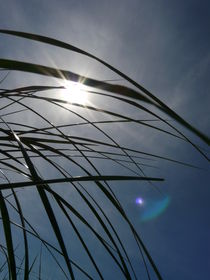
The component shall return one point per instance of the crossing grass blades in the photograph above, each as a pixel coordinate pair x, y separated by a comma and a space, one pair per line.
58, 162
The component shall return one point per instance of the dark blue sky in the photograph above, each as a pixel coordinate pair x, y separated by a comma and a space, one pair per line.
165, 46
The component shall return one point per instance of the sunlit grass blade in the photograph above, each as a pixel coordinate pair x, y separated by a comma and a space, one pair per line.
64, 45
68, 75
66, 152
182, 136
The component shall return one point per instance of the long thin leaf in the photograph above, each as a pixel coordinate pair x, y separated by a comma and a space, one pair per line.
8, 237
61, 44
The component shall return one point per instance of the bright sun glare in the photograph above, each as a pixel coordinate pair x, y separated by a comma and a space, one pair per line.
75, 93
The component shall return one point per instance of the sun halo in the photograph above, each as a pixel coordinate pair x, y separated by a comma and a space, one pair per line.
75, 92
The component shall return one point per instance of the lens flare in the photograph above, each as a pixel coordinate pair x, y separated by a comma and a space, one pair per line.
139, 201
151, 208
154, 208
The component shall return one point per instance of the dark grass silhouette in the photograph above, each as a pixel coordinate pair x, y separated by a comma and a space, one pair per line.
38, 152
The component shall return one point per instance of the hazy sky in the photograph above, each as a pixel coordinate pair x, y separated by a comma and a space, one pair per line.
165, 46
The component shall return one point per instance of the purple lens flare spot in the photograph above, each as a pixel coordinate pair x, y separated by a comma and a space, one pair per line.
139, 201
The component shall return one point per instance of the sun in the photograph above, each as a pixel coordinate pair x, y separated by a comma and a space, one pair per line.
75, 92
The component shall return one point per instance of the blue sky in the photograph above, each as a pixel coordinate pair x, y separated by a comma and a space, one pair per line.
163, 45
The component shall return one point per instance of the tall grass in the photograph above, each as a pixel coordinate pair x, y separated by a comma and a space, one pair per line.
69, 155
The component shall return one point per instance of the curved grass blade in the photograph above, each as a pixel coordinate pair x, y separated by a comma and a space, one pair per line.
91, 178
63, 171
46, 205
68, 75
47, 245
8, 237
64, 45
19, 210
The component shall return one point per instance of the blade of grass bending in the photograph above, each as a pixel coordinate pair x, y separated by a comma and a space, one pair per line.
3, 265
93, 157
64, 155
120, 210
83, 220
19, 210
54, 101
68, 217
44, 140
136, 236
19, 268
44, 130
68, 75
91, 178
123, 214
125, 119
4, 78
128, 119
8, 237
55, 227
107, 136
108, 112
54, 248
63, 172
84, 150
132, 120
35, 141
110, 138
64, 45
80, 238
125, 271
118, 161
17, 170
40, 262
166, 131
32, 264
65, 137
80, 217
47, 206
6, 257
7, 261
46, 244
12, 113
132, 150
115, 142
26, 270
8, 156
26, 273
131, 102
